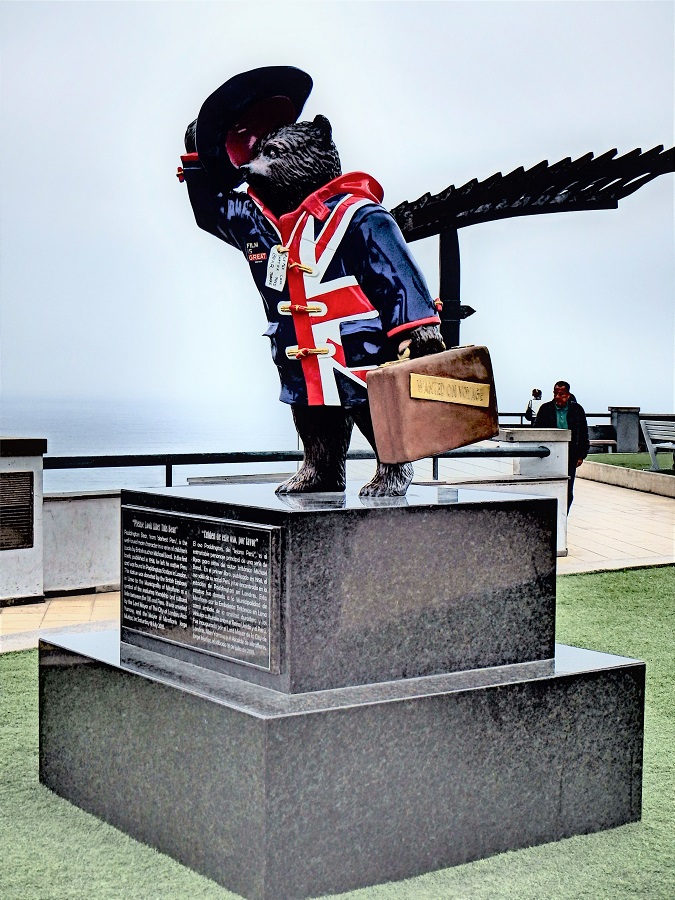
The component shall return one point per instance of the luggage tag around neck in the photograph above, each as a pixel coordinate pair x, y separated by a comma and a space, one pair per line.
277, 265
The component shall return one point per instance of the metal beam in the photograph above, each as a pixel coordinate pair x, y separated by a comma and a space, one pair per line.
584, 184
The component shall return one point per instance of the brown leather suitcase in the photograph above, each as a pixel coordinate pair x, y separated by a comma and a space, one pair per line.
425, 406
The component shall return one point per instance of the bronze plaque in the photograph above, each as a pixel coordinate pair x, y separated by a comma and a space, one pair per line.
449, 390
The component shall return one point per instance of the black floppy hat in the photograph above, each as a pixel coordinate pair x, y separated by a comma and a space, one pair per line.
244, 109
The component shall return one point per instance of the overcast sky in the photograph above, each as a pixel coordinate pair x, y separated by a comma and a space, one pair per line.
110, 290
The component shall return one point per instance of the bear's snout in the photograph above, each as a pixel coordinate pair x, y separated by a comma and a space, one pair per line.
245, 169
256, 167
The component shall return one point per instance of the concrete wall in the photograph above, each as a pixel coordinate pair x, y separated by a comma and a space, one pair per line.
21, 570
635, 479
81, 541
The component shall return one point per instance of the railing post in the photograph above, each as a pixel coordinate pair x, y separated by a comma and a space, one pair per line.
169, 475
434, 468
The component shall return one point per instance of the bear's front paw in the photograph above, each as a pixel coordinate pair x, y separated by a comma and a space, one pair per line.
425, 340
390, 480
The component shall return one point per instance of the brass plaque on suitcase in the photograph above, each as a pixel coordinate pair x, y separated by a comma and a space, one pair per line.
449, 390
430, 405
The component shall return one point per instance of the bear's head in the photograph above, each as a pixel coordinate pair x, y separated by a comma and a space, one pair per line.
292, 162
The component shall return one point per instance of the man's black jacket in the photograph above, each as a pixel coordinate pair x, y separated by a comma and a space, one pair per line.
576, 422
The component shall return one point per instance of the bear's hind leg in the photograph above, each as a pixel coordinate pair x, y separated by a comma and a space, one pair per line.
390, 479
325, 432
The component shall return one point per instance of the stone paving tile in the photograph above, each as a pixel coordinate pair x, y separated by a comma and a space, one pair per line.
582, 553
10, 624
636, 543
627, 551
25, 611
60, 610
101, 614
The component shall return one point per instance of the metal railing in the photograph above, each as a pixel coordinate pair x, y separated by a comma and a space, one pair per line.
169, 460
523, 421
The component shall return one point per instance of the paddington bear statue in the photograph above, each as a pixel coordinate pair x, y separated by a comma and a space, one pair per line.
340, 288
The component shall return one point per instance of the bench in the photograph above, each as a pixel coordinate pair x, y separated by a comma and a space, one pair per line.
658, 436
602, 436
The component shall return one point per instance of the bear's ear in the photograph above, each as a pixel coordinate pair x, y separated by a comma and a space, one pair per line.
323, 126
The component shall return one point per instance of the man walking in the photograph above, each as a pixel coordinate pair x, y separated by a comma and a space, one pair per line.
563, 412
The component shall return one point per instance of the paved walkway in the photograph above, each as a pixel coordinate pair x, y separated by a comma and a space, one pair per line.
615, 528
608, 528
21, 626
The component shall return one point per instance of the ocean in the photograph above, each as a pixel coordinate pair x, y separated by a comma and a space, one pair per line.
79, 428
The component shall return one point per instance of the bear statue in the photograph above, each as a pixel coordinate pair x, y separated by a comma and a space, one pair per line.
340, 288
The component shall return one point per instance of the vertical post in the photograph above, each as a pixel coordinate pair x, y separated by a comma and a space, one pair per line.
169, 475
626, 421
434, 468
448, 292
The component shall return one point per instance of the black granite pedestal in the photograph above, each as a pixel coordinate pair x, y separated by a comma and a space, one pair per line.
280, 796
340, 590
316, 694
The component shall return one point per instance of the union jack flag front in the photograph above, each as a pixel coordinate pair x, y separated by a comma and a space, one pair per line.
339, 285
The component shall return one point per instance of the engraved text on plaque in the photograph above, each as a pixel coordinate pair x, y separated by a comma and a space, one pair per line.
201, 582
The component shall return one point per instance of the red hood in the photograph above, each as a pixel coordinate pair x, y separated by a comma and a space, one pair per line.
358, 183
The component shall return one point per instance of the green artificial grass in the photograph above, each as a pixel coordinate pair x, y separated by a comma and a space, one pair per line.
634, 460
54, 851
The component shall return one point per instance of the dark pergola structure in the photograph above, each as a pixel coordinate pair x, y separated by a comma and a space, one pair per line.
590, 182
